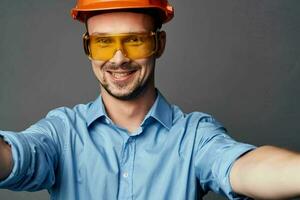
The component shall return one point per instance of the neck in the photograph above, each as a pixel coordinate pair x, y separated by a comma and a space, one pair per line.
129, 114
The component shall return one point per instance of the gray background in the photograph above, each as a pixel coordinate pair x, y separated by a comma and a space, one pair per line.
238, 60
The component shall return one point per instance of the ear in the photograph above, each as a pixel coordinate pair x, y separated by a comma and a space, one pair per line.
161, 43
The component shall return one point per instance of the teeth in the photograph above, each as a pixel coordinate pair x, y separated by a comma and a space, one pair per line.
120, 74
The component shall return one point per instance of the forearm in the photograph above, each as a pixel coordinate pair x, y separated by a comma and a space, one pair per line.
267, 173
6, 162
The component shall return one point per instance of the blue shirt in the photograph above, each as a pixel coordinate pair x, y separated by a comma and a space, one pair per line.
80, 154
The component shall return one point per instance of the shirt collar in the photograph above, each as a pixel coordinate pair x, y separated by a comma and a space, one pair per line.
95, 111
160, 111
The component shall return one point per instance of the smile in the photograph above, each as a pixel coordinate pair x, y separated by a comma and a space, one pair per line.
121, 75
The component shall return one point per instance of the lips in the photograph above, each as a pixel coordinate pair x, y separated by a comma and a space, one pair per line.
121, 75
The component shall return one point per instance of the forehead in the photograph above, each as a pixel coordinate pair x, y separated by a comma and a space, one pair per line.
120, 22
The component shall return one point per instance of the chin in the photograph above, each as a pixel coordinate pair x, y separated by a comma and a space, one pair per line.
125, 95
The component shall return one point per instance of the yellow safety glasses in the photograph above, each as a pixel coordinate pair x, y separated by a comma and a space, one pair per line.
132, 45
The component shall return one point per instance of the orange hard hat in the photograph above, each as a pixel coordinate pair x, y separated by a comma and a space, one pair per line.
84, 7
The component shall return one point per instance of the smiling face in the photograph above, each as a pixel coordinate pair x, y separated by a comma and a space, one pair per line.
121, 77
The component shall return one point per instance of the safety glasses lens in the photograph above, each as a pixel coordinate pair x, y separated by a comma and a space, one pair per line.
133, 45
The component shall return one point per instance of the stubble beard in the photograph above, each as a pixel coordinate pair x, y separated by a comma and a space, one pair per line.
138, 89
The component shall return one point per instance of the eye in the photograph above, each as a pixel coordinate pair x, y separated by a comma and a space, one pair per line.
134, 40
103, 40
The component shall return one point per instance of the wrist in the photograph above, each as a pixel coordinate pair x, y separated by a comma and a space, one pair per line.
6, 163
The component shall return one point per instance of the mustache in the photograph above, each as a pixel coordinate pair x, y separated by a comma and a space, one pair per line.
127, 66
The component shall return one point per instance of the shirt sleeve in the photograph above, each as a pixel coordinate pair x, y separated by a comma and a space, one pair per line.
215, 155
35, 153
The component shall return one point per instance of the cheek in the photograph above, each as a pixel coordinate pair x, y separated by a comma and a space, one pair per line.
147, 65
97, 66
149, 68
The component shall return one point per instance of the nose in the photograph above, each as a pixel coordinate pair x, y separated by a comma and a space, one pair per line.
119, 58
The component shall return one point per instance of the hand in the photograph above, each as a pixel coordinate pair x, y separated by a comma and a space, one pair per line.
6, 162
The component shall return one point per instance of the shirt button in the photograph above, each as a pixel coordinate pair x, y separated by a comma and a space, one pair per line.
125, 174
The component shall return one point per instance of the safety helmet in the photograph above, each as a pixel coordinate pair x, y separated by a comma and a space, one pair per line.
83, 8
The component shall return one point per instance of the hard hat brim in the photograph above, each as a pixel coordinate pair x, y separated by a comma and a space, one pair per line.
80, 13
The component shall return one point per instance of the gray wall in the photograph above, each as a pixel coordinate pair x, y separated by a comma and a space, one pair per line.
238, 60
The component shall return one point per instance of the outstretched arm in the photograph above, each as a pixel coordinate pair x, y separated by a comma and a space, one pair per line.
267, 173
30, 159
6, 162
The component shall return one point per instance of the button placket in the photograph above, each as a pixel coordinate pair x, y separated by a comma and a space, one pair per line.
127, 169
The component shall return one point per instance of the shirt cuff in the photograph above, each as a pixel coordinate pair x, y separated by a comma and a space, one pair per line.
20, 152
228, 160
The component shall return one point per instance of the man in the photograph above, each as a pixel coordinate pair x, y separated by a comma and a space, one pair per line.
131, 143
